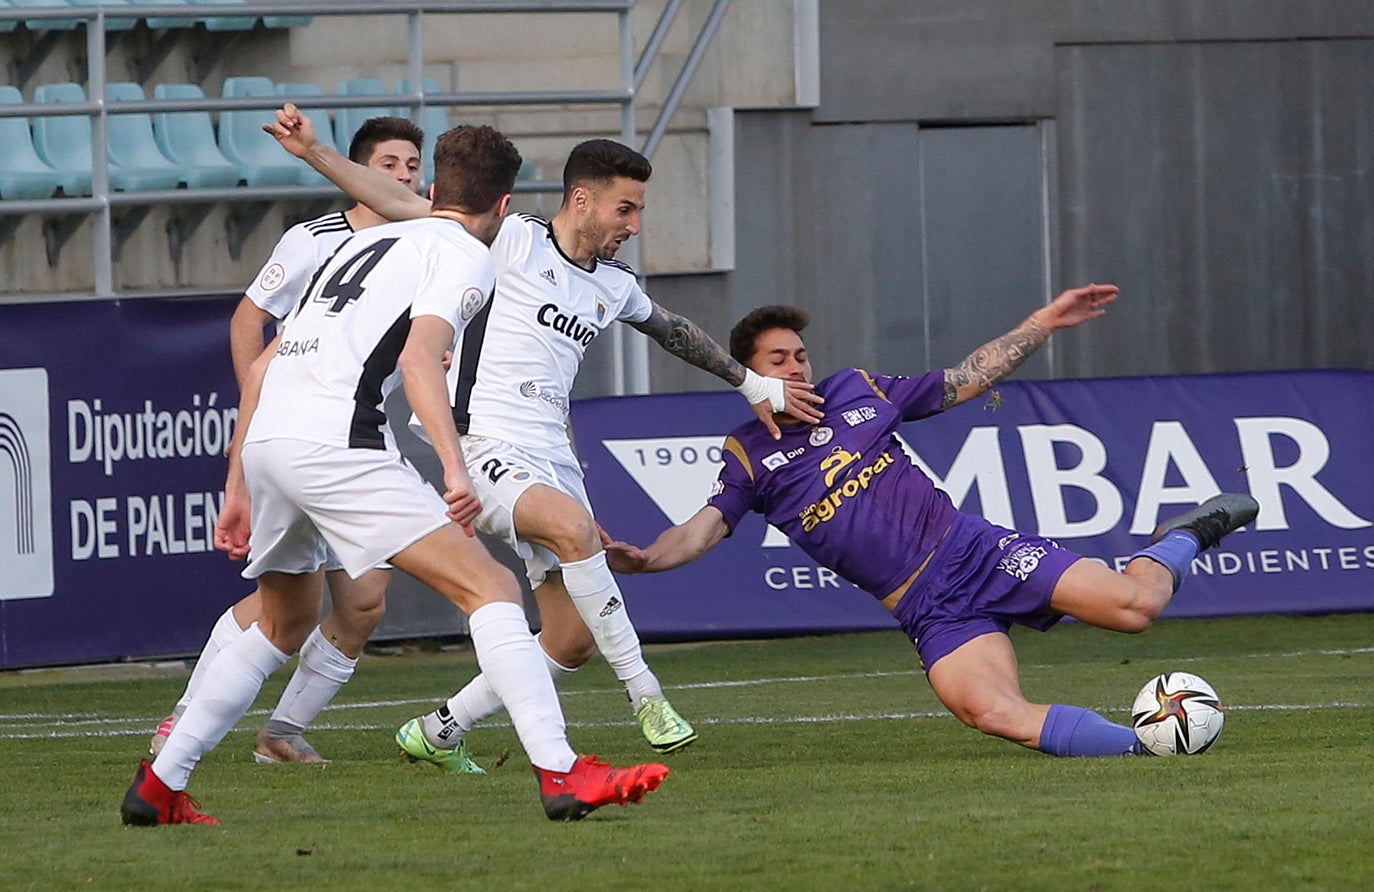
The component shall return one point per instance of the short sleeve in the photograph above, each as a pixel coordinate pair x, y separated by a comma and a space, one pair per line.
637, 304
917, 398
454, 286
282, 281
733, 495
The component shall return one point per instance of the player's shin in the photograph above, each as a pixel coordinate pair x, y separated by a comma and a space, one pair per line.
228, 690
512, 663
225, 632
598, 600
475, 702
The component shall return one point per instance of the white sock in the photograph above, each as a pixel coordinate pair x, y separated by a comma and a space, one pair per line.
476, 701
225, 632
225, 695
323, 669
598, 601
511, 661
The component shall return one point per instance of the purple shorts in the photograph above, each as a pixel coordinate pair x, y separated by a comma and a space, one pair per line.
982, 578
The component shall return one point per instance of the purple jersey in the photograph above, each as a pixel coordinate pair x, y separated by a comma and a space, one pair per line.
844, 491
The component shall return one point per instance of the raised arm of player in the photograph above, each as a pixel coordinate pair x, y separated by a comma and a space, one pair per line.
232, 527
674, 547
422, 376
374, 188
682, 337
1000, 357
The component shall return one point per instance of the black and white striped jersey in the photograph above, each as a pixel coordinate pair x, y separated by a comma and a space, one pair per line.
300, 251
337, 359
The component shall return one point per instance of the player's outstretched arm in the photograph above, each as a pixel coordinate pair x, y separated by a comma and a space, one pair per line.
998, 358
388, 197
676, 546
422, 376
232, 527
684, 339
245, 337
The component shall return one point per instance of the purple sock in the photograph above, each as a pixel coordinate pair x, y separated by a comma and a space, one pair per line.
1075, 731
1175, 552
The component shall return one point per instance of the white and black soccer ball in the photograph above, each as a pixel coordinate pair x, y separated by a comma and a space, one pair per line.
1177, 713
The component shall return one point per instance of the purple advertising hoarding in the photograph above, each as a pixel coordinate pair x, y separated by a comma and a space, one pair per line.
114, 416
1093, 464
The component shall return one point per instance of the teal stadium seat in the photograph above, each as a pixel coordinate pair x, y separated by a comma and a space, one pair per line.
64, 141
301, 94
7, 25
111, 24
188, 139
261, 162
46, 24
22, 173
156, 22
348, 120
433, 120
226, 23
136, 163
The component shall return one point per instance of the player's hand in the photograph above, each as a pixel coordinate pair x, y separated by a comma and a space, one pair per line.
463, 506
293, 129
801, 403
1078, 305
234, 526
622, 557
448, 359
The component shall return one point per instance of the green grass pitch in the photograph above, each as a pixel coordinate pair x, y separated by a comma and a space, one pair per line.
823, 763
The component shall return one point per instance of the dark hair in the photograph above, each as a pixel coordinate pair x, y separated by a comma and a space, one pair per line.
379, 130
473, 168
600, 161
747, 330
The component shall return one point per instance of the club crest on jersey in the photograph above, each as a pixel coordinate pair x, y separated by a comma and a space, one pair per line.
569, 326
601, 309
471, 303
820, 436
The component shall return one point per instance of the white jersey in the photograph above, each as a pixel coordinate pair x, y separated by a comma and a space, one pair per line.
514, 366
301, 250
337, 360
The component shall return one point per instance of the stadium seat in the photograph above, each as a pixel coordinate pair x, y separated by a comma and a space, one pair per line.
155, 22
433, 120
46, 24
188, 138
7, 25
136, 162
22, 173
261, 162
287, 21
301, 94
111, 24
226, 23
348, 120
64, 141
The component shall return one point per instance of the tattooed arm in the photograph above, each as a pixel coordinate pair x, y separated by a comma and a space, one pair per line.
998, 358
682, 337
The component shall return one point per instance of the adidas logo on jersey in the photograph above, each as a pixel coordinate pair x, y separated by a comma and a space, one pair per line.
549, 276
611, 606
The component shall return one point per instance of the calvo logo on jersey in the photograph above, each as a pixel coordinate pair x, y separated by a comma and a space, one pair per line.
569, 326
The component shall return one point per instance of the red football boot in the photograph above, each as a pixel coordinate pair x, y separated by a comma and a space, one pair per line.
150, 802
591, 783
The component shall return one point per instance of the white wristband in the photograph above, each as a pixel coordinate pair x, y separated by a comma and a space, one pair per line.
757, 388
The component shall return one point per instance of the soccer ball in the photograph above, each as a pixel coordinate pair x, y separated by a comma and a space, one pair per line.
1177, 714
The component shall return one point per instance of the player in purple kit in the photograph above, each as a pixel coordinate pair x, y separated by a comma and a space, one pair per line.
846, 495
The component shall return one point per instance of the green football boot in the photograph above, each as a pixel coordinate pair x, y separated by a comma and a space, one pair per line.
666, 731
410, 737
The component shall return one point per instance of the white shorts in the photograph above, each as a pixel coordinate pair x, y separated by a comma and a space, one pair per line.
364, 504
501, 472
